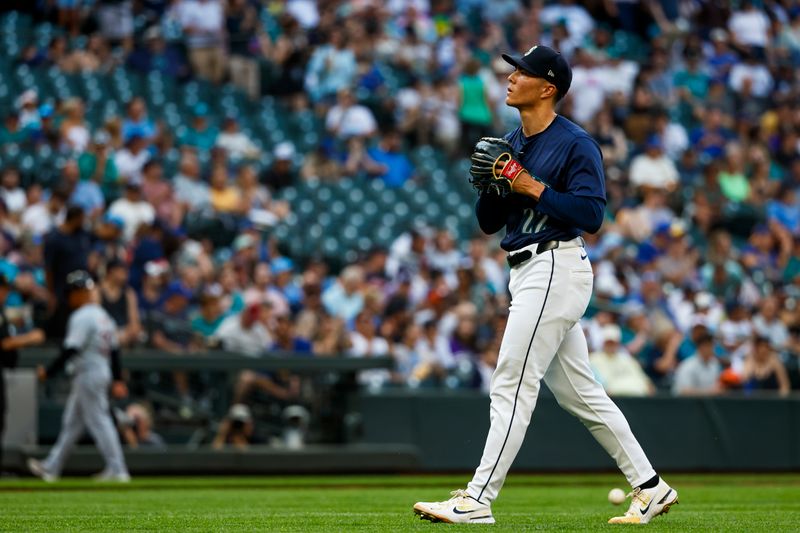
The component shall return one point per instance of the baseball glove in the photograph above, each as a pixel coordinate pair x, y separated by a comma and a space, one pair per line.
487, 169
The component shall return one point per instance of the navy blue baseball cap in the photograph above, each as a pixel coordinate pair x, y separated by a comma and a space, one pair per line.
544, 62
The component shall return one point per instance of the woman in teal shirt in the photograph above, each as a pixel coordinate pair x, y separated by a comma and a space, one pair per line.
474, 110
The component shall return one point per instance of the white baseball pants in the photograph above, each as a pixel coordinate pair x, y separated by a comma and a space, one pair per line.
87, 407
543, 340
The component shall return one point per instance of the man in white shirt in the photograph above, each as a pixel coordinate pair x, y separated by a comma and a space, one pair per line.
587, 91
364, 342
749, 26
12, 194
203, 23
131, 159
349, 119
618, 372
653, 168
699, 374
133, 209
40, 217
245, 333
751, 78
579, 21
235, 142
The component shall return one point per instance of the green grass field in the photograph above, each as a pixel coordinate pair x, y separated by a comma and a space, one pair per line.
762, 502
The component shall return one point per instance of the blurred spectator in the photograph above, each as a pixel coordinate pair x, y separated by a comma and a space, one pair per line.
331, 68
85, 194
200, 134
699, 374
137, 122
203, 24
320, 166
750, 78
348, 118
130, 160
137, 424
168, 326
767, 324
115, 18
749, 27
10, 130
282, 172
236, 429
224, 196
653, 168
133, 209
263, 290
66, 249
241, 21
475, 108
785, 209
611, 138
345, 299
107, 243
235, 142
618, 372
98, 164
763, 370
257, 201
156, 55
397, 168
169, 330
120, 301
245, 333
74, 132
285, 339
29, 117
190, 190
332, 338
366, 342
158, 192
41, 215
210, 316
11, 193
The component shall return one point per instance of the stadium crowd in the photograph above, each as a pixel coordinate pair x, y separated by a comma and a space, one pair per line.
695, 105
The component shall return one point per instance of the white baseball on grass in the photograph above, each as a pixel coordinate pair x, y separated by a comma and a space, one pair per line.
616, 496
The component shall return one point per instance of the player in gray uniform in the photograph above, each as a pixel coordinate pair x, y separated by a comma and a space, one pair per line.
92, 350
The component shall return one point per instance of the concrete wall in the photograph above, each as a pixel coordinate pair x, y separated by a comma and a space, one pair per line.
706, 434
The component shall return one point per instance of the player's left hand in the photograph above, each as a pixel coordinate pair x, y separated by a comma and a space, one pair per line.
119, 390
495, 166
41, 374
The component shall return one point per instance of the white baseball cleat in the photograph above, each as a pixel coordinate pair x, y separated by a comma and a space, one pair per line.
38, 470
460, 509
107, 475
647, 504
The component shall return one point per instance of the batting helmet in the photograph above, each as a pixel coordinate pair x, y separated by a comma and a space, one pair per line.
79, 279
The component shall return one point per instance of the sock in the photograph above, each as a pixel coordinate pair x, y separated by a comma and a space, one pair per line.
650, 483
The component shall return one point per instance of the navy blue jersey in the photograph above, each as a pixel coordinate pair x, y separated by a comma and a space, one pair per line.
569, 162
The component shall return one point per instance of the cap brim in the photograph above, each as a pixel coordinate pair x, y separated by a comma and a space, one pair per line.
516, 61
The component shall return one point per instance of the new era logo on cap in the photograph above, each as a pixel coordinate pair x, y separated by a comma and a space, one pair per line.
550, 73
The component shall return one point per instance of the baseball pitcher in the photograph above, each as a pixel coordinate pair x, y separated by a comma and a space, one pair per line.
544, 183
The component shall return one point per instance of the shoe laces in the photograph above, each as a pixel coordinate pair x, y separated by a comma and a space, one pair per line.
636, 501
459, 494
